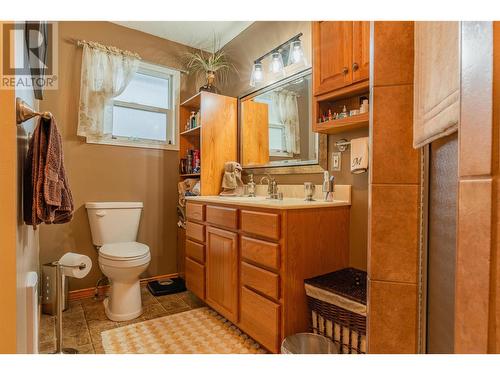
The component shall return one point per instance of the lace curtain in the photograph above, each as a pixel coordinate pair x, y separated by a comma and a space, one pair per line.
106, 72
285, 103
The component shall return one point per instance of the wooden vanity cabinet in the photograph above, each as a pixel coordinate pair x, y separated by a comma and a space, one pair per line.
255, 260
341, 54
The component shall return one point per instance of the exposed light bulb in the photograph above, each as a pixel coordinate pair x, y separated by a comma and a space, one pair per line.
257, 74
276, 65
296, 54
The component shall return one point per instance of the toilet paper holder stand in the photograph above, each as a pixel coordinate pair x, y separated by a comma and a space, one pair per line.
59, 300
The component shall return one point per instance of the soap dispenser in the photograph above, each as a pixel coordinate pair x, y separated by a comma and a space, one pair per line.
251, 187
328, 185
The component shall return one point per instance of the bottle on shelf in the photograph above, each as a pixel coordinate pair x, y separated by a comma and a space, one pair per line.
344, 113
192, 120
189, 162
196, 161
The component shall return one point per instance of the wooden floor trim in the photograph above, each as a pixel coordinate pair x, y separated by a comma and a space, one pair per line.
75, 295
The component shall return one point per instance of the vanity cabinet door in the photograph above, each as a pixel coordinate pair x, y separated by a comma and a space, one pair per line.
332, 55
360, 50
222, 272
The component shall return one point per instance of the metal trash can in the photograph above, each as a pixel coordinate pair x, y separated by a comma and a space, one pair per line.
49, 290
308, 343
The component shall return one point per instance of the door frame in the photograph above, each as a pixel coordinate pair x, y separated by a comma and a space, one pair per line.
8, 217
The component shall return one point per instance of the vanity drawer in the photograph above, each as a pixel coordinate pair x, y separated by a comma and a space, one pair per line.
260, 252
195, 231
195, 211
260, 317
261, 280
223, 216
195, 250
261, 223
195, 278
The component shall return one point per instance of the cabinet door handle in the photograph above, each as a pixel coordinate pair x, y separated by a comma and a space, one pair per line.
345, 70
355, 67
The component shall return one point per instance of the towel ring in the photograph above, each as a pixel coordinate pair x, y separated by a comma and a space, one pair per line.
342, 144
24, 112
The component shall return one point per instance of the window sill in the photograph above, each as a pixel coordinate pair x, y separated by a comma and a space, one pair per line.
136, 144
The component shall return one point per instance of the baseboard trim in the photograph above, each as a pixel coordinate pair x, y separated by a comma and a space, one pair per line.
75, 295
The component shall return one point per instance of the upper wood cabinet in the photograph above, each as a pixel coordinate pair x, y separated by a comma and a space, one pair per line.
222, 271
341, 51
332, 54
360, 51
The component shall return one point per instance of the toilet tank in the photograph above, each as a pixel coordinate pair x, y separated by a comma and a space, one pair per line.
112, 222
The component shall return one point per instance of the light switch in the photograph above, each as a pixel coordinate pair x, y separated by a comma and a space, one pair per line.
336, 161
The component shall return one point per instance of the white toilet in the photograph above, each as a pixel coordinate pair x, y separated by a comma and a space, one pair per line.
114, 227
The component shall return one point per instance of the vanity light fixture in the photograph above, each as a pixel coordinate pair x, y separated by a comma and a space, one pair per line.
276, 65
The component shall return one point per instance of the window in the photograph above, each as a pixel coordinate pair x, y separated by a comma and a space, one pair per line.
145, 113
277, 141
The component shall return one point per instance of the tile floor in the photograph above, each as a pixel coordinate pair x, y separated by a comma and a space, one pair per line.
85, 319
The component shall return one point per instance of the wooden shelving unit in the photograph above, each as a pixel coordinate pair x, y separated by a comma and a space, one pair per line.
350, 97
343, 125
215, 137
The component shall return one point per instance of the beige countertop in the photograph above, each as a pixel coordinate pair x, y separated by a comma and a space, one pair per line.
341, 197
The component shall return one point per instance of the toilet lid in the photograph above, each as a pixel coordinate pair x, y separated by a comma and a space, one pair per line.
124, 250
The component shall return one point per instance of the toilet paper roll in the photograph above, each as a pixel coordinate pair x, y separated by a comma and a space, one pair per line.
73, 259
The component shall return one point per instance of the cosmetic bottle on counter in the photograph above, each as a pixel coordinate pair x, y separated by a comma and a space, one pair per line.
251, 187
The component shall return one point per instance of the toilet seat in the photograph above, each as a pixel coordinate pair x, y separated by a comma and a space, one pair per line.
124, 251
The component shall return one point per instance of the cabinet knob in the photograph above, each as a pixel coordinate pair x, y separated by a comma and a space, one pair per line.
355, 67
345, 70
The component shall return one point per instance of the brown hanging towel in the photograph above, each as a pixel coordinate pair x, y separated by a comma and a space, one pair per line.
47, 196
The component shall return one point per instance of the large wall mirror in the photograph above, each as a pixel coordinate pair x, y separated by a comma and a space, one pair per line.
276, 128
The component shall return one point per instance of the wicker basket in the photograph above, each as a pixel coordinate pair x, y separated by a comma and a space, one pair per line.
337, 302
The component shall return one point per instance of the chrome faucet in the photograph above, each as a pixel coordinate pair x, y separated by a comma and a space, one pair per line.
272, 187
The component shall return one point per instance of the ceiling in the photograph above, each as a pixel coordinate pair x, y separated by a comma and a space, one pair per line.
197, 34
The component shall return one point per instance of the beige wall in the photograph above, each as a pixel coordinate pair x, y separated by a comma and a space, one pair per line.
252, 43
102, 173
358, 229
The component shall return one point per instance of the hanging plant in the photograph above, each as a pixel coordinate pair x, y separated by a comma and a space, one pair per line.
212, 66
